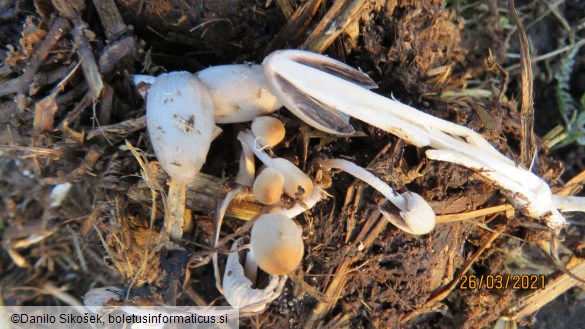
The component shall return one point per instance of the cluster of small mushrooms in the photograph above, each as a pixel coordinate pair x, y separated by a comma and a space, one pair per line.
183, 108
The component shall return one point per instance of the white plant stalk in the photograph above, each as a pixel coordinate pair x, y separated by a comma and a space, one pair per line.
297, 77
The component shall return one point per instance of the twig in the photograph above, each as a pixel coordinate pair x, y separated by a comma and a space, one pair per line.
58, 28
119, 130
88, 63
527, 145
110, 17
341, 14
295, 25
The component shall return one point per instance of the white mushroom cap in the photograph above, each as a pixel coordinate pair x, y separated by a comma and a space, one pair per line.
419, 218
240, 92
268, 186
277, 243
269, 130
179, 117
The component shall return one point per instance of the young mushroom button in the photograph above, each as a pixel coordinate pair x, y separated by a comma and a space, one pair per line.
179, 118
277, 243
268, 186
268, 130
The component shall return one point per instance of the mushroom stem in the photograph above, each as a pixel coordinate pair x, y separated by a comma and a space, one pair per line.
248, 139
417, 216
569, 203
217, 221
312, 83
247, 166
174, 222
251, 268
368, 178
299, 208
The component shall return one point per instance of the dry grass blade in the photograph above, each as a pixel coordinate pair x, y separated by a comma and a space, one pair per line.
527, 144
441, 219
286, 7
295, 26
341, 14
537, 299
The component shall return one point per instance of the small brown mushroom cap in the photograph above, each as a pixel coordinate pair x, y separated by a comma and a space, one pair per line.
270, 130
277, 243
268, 186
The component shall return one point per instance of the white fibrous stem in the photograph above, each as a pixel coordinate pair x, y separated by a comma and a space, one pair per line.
569, 203
247, 138
306, 204
247, 166
368, 178
291, 73
217, 222
177, 197
251, 267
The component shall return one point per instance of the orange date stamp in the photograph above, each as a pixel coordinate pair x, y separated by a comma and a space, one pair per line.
499, 282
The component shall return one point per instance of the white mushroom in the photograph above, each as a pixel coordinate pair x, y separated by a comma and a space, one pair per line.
239, 92
238, 289
268, 186
179, 117
417, 215
268, 130
277, 243
311, 83
59, 194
